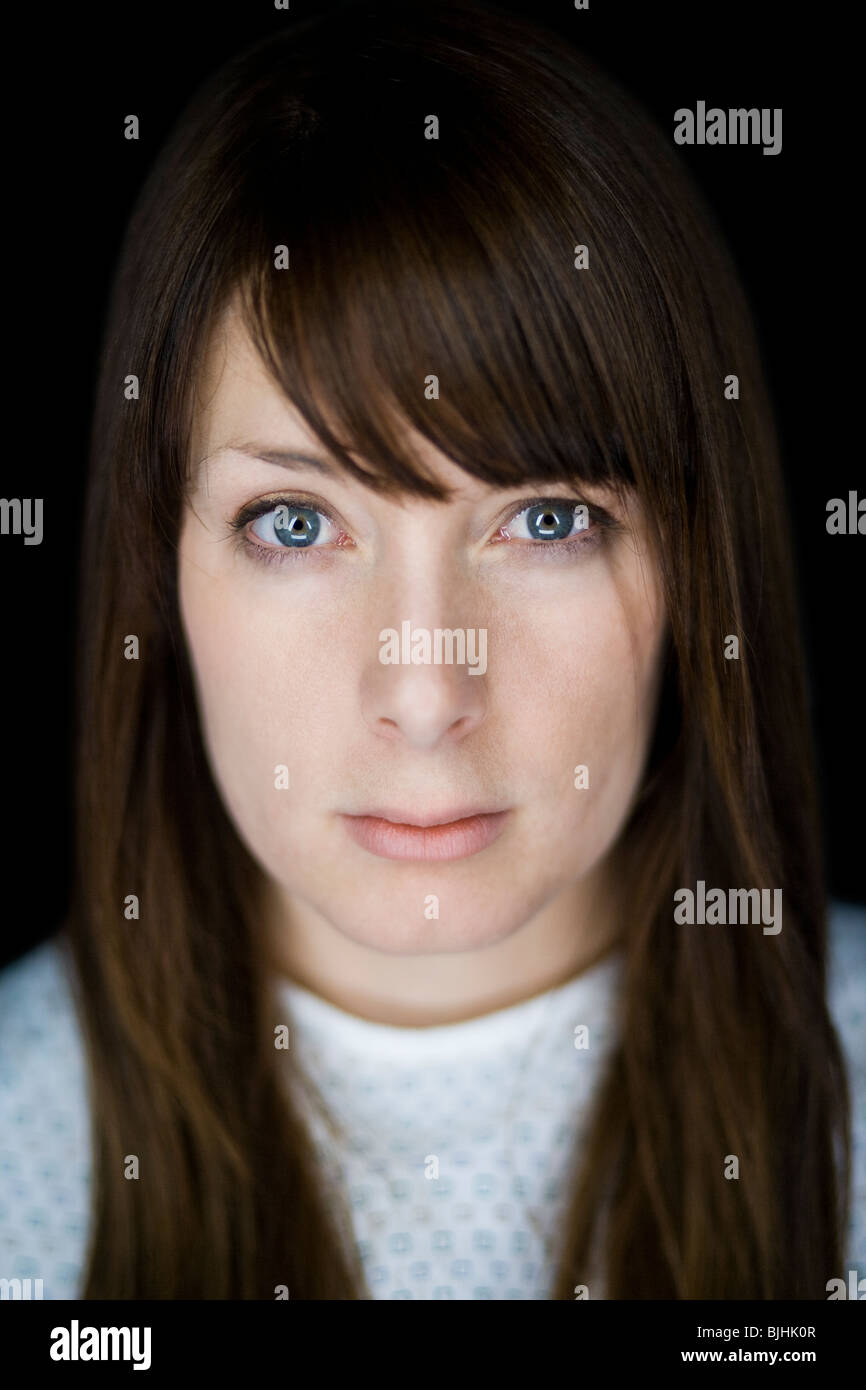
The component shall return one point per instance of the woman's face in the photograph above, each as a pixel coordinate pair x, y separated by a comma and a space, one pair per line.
287, 620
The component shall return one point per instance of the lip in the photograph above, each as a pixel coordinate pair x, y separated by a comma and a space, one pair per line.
455, 835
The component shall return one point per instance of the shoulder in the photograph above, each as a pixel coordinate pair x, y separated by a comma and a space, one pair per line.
847, 951
44, 1124
38, 977
38, 1020
846, 992
846, 979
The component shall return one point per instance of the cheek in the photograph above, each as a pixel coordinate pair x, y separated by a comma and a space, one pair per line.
271, 681
250, 711
584, 696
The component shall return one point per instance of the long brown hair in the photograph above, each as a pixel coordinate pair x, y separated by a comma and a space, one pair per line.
454, 256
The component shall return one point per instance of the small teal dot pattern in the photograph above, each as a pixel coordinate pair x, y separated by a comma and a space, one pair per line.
449, 1149
45, 1159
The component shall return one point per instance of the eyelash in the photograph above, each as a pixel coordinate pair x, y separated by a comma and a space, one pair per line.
601, 525
268, 555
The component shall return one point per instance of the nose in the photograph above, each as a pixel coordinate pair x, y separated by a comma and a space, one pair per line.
418, 690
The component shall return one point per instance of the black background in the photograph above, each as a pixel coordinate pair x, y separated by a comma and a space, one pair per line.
71, 178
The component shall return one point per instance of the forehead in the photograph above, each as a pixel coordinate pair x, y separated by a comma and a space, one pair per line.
233, 387
237, 401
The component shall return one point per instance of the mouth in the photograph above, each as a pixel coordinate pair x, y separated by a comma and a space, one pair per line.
398, 835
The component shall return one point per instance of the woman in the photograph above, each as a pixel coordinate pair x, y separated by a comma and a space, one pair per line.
449, 918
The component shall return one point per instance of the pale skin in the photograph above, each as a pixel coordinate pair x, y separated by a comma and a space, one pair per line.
285, 657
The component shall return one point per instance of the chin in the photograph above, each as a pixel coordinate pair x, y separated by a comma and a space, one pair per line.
399, 929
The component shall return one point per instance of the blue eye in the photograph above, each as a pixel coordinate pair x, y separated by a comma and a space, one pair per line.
550, 520
290, 525
554, 520
276, 529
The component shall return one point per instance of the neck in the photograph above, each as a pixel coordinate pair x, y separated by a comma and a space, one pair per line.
567, 936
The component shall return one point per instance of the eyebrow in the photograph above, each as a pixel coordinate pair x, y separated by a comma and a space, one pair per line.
284, 458
329, 467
